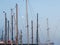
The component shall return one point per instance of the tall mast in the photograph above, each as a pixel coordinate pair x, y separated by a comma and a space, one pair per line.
16, 24
8, 30
37, 30
12, 23
5, 28
48, 32
32, 30
27, 21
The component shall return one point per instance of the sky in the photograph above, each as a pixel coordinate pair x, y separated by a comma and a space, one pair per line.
45, 8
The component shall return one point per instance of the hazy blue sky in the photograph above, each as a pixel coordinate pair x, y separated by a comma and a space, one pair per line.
46, 8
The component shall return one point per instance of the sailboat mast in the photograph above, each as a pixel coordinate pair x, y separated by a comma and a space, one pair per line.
16, 24
37, 30
8, 30
5, 27
12, 23
48, 32
27, 21
32, 30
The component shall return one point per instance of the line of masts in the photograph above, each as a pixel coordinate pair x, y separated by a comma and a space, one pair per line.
17, 26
